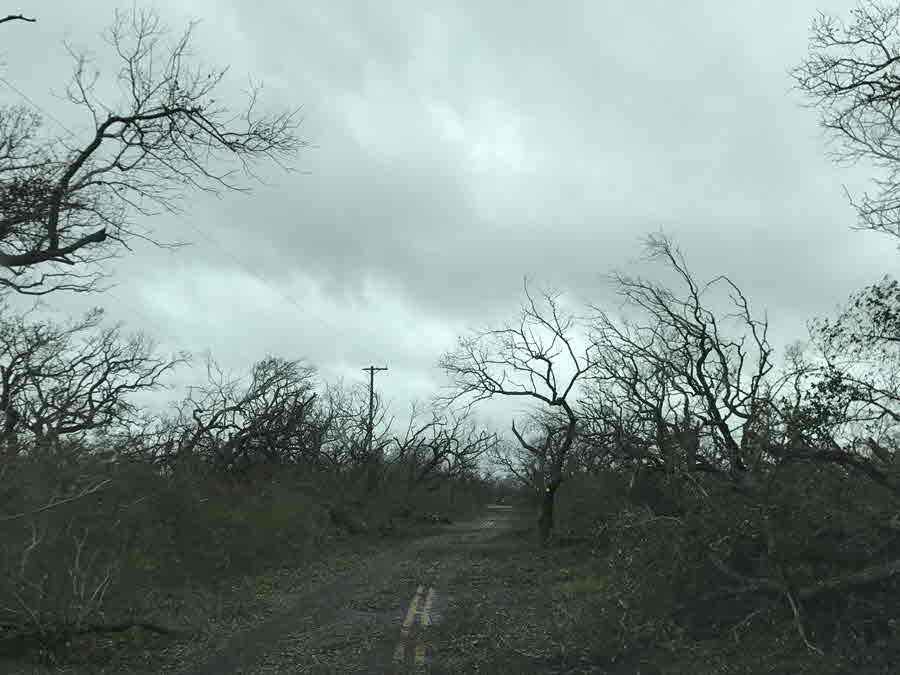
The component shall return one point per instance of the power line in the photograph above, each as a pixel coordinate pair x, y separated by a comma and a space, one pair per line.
135, 308
202, 233
39, 107
247, 269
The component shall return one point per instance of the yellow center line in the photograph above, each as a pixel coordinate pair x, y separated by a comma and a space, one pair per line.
412, 611
424, 615
426, 608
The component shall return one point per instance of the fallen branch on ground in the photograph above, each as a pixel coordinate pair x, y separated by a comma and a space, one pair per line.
52, 505
122, 627
868, 575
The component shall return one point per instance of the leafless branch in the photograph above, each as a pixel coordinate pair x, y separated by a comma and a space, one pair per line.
55, 504
851, 77
16, 17
678, 372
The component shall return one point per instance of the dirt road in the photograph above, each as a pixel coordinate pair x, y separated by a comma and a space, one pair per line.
378, 621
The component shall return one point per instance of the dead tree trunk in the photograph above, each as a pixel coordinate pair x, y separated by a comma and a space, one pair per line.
545, 520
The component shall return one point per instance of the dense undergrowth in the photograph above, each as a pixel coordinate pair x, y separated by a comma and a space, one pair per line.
111, 561
665, 572
691, 568
628, 586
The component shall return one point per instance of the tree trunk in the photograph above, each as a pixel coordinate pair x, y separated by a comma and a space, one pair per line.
373, 472
545, 521
9, 442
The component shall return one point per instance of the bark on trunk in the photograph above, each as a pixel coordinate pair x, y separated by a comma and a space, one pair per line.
545, 521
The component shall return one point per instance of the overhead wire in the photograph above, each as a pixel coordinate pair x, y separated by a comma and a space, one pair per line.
206, 235
35, 105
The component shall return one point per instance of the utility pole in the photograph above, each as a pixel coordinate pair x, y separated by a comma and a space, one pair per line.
373, 467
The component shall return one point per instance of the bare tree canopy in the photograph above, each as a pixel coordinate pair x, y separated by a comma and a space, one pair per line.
535, 357
521, 359
235, 422
679, 367
62, 380
442, 445
64, 204
851, 75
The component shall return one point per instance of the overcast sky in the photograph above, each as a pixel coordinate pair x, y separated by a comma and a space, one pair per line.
462, 145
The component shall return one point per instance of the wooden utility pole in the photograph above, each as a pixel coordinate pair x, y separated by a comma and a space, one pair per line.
371, 370
373, 464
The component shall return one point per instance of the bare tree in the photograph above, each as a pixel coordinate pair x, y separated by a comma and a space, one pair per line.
69, 380
537, 449
237, 424
615, 433
440, 446
851, 76
546, 460
679, 372
63, 205
524, 359
519, 464
344, 425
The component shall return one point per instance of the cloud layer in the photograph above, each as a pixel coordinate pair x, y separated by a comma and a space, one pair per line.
462, 145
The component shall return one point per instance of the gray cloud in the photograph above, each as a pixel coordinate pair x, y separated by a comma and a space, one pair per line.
460, 146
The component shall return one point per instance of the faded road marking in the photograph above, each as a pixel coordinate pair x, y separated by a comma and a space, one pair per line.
413, 611
426, 608
419, 606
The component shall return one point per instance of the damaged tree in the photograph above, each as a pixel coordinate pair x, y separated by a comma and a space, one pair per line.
63, 207
681, 375
71, 380
443, 446
524, 359
236, 425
